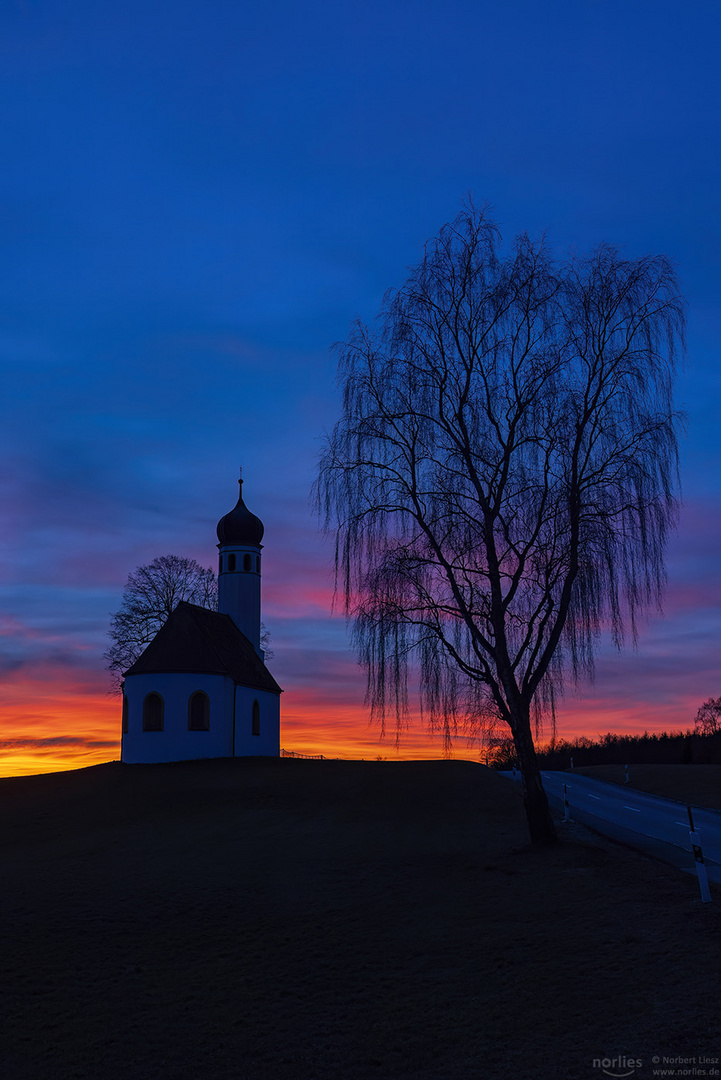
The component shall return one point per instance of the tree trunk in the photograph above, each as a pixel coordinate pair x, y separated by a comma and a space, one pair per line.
538, 814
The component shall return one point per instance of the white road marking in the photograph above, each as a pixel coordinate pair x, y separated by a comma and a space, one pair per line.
632, 808
684, 823
597, 797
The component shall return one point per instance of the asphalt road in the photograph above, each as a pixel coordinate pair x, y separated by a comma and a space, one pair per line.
656, 826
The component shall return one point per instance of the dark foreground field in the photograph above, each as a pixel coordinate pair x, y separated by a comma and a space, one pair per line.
304, 919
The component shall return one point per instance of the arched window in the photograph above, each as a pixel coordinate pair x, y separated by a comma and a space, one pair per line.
198, 712
153, 713
255, 729
220, 565
231, 562
125, 715
246, 563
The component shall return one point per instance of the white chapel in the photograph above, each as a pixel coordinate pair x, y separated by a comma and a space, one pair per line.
201, 688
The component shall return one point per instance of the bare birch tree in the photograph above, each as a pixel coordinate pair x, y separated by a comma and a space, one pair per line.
501, 482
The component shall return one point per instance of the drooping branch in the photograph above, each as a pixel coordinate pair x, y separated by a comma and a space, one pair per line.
502, 479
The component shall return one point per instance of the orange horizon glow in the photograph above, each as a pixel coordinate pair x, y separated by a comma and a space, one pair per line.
50, 729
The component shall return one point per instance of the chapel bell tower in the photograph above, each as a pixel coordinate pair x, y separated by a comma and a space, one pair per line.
240, 534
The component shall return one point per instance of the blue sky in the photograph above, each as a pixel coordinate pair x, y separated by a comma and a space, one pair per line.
196, 202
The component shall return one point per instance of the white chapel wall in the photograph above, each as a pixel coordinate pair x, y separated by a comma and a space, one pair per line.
175, 742
268, 741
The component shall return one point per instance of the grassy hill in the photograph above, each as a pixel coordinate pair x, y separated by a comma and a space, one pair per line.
332, 920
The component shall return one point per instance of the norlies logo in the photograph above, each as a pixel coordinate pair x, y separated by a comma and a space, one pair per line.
618, 1066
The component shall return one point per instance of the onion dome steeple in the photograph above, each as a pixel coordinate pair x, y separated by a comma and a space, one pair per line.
240, 534
240, 526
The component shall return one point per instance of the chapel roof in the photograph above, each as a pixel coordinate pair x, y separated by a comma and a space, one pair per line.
199, 641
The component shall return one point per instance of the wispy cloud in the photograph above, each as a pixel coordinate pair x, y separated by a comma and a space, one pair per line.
210, 225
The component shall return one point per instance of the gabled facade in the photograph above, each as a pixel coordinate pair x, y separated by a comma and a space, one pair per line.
201, 688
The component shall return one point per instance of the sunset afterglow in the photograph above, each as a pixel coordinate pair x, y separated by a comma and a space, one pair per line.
198, 206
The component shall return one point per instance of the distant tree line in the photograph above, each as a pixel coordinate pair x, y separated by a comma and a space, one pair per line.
664, 748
